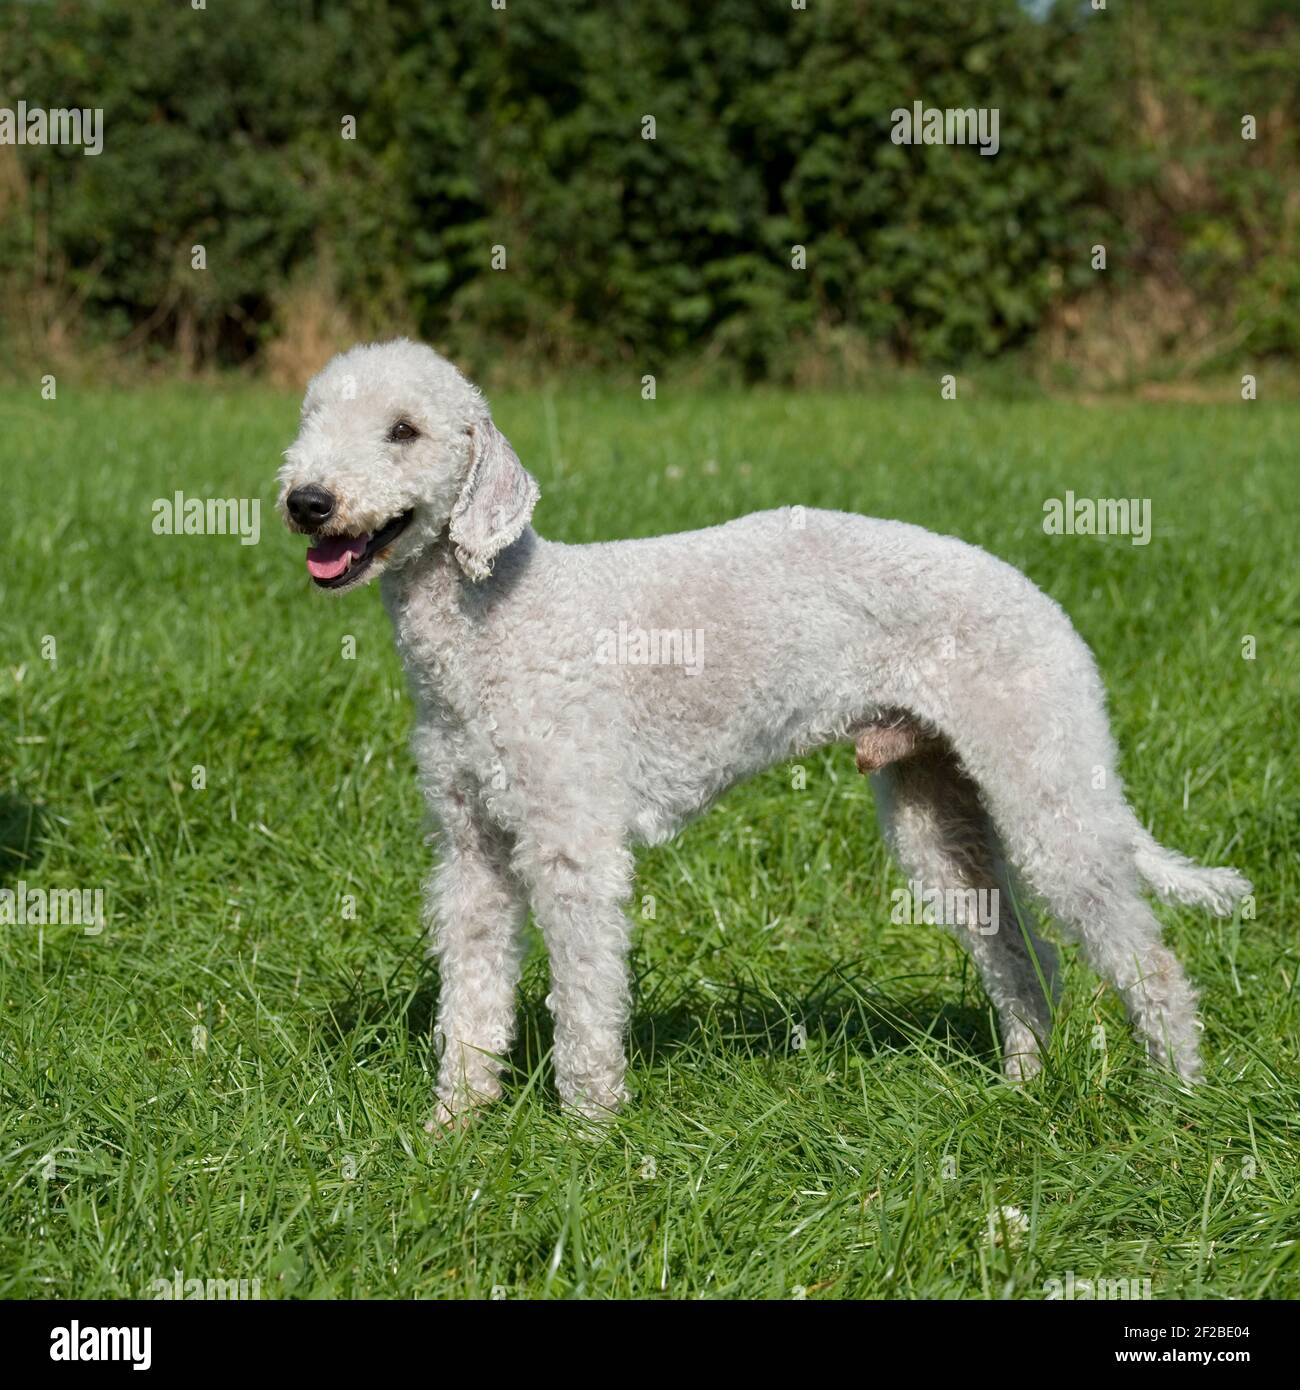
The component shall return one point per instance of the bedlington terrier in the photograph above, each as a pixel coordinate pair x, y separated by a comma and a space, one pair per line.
575, 700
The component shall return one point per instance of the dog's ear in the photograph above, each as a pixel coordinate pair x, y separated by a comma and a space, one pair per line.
495, 502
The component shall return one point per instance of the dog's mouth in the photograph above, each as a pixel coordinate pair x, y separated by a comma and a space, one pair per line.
337, 561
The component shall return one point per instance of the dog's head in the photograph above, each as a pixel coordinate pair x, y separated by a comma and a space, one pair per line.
394, 449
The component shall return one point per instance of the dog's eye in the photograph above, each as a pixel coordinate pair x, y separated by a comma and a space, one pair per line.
401, 432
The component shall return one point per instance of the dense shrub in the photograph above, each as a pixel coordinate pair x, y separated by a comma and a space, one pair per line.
478, 128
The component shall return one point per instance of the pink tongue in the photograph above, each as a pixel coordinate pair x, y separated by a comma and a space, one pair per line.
332, 556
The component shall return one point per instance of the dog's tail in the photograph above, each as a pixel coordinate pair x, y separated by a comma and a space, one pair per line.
1173, 877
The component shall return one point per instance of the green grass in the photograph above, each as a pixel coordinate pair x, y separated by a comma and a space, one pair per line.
872, 1161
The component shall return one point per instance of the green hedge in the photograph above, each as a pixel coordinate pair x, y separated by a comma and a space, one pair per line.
523, 128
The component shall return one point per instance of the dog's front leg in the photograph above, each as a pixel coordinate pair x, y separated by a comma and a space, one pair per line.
476, 910
577, 902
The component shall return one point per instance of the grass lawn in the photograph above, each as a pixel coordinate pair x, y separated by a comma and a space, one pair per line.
232, 1079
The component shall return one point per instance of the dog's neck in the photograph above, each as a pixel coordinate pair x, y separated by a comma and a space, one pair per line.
437, 611
436, 577
432, 580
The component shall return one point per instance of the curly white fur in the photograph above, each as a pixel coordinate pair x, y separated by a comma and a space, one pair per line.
543, 758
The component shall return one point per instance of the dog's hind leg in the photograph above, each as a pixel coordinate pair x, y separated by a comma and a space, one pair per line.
932, 819
1096, 897
1082, 867
1158, 996
1061, 815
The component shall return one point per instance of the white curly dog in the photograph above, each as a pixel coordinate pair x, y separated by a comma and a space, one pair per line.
558, 723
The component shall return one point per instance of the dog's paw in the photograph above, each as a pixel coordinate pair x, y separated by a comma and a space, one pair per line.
1021, 1058
451, 1117
1184, 1062
594, 1108
590, 1124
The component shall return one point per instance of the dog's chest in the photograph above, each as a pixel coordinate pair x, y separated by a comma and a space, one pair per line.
434, 659
436, 645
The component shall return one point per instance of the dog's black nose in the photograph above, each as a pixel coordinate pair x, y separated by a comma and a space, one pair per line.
310, 506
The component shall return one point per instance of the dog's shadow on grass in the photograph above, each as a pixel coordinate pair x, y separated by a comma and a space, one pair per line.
22, 840
677, 1019
842, 1010
694, 1021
